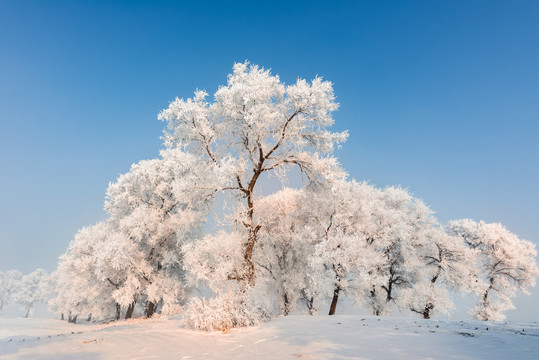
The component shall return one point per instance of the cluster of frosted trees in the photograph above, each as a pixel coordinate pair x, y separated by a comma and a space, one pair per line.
25, 290
198, 231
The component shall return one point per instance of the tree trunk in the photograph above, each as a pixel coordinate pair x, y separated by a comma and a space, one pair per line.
337, 289
427, 309
69, 318
251, 241
27, 313
485, 301
310, 305
375, 308
150, 309
62, 317
118, 310
251, 227
309, 301
388, 290
485, 295
286, 305
130, 309
74, 321
333, 306
89, 317
430, 306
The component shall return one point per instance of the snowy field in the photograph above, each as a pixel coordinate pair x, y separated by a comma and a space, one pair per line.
321, 337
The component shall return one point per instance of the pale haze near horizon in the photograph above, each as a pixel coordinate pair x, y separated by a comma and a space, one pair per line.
440, 98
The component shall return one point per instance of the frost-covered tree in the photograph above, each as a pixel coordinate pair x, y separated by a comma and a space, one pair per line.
285, 249
341, 220
9, 283
134, 257
281, 257
33, 288
507, 264
448, 265
90, 272
402, 225
256, 126
156, 207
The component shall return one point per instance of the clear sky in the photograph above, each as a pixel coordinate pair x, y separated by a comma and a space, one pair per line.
441, 97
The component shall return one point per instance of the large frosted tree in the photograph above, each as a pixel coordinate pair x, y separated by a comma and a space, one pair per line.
256, 126
134, 258
157, 206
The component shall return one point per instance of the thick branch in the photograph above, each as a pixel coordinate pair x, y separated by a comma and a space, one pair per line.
283, 133
113, 284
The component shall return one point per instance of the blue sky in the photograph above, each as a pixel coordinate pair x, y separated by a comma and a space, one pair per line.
441, 97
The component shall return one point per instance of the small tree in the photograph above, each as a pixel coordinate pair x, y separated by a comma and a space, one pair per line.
287, 244
9, 284
88, 273
447, 265
341, 220
507, 264
284, 248
400, 235
34, 287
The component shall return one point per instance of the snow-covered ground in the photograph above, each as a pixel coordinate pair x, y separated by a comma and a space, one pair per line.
320, 337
